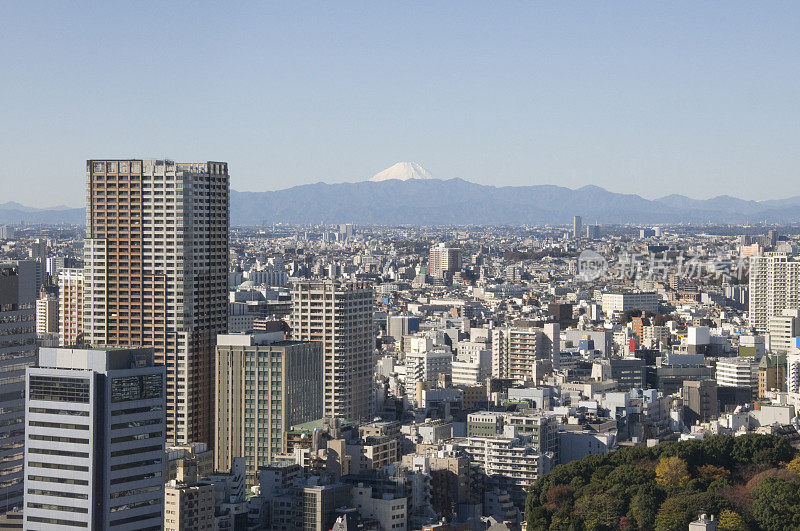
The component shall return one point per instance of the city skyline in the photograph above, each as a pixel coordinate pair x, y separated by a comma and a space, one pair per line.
399, 266
696, 100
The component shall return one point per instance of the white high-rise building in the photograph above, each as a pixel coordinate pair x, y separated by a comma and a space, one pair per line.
340, 316
47, 315
774, 287
156, 273
7, 232
523, 354
94, 440
783, 329
426, 366
793, 372
17, 352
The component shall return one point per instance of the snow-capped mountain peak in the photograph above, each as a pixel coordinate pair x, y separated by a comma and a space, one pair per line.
403, 171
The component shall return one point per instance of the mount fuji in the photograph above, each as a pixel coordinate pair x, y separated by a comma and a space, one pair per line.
402, 171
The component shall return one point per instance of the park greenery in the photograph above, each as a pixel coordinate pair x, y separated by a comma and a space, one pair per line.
747, 482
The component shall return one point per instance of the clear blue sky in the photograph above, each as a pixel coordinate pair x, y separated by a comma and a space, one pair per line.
699, 98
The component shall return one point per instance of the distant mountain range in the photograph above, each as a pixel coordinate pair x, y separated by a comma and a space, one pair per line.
13, 213
458, 202
407, 194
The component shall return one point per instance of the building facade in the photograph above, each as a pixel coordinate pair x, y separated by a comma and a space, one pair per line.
263, 388
156, 273
339, 315
783, 329
523, 354
774, 287
623, 302
46, 316
444, 259
94, 429
17, 352
70, 307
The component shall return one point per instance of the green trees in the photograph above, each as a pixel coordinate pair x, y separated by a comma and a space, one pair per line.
777, 504
644, 506
745, 481
672, 515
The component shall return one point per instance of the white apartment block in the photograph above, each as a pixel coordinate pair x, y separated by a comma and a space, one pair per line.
426, 366
518, 464
623, 302
46, 316
783, 329
793, 371
774, 287
470, 373
391, 513
737, 372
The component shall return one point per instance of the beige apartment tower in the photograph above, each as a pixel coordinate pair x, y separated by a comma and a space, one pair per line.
156, 261
70, 307
340, 316
47, 315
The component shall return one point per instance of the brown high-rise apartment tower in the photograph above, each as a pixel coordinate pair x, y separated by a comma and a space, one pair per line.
156, 266
444, 259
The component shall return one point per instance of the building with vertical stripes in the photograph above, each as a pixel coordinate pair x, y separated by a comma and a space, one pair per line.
156, 271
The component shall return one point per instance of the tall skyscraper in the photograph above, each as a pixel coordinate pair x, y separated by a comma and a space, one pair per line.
38, 254
774, 287
577, 227
340, 316
17, 352
94, 429
444, 259
265, 385
156, 258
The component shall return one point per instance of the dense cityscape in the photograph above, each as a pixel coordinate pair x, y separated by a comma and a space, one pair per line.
399, 266
164, 370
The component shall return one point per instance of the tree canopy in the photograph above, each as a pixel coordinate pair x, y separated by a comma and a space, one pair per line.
748, 482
